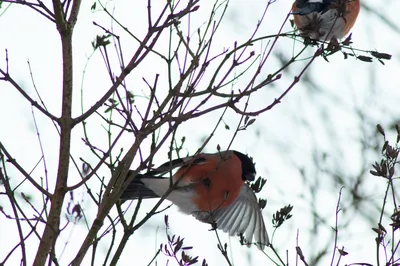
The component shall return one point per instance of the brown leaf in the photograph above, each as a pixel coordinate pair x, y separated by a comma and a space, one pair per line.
381, 55
364, 58
342, 252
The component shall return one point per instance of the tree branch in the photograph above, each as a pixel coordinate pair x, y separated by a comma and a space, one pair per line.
8, 78
22, 171
52, 230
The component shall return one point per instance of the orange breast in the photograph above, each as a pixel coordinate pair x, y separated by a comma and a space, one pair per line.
310, 25
216, 183
296, 18
353, 9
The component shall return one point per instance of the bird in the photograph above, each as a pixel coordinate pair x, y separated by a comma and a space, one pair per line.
210, 187
325, 20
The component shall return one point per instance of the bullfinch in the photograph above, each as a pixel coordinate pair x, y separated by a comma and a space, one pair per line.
325, 19
212, 188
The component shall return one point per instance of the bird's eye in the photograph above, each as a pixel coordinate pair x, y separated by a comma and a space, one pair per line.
250, 176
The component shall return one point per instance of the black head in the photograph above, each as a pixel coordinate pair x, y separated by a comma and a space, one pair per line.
248, 169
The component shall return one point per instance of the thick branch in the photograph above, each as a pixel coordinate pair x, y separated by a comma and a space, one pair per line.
74, 12
52, 230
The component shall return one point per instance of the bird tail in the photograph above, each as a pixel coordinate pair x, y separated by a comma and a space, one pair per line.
146, 186
137, 188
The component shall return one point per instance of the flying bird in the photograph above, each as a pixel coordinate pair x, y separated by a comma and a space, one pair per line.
210, 187
325, 19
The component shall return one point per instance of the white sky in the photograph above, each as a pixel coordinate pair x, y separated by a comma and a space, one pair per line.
309, 119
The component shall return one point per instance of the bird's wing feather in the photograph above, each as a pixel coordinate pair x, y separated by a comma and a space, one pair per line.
170, 165
137, 188
152, 184
243, 216
305, 7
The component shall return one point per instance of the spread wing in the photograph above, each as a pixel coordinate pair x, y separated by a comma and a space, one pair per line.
243, 216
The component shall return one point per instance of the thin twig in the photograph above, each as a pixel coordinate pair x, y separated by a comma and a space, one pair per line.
22, 171
336, 226
10, 194
7, 77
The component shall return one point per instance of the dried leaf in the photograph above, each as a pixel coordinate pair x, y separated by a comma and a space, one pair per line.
166, 221
347, 41
381, 55
364, 58
385, 145
342, 252
251, 121
382, 228
377, 230
299, 252
246, 119
380, 129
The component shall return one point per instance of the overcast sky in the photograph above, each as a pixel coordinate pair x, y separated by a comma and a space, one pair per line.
320, 118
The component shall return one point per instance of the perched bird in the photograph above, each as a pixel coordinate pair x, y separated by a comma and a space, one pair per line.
325, 19
212, 188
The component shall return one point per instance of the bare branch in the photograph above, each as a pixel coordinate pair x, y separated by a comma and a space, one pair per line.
22, 171
11, 198
8, 78
46, 13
